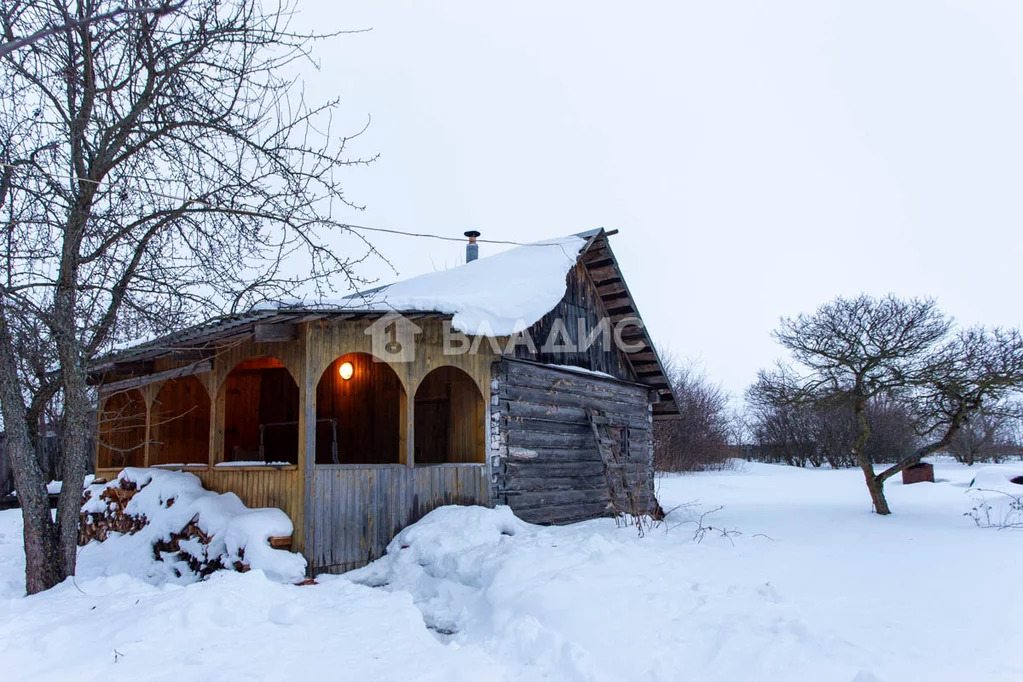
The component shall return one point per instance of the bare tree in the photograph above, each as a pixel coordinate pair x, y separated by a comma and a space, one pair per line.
155, 169
68, 23
805, 432
700, 438
861, 351
990, 435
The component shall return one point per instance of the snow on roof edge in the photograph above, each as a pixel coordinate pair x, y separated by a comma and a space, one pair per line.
496, 295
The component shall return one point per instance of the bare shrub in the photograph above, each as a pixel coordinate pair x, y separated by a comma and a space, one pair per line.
699, 440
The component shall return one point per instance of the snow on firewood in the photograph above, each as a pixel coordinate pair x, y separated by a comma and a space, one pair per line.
164, 526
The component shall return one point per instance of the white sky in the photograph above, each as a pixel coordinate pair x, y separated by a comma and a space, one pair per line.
758, 158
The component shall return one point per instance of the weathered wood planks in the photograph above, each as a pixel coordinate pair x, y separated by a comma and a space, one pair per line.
547, 466
357, 510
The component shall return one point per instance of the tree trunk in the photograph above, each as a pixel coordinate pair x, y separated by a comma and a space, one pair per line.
42, 565
876, 487
875, 484
74, 461
42, 556
74, 458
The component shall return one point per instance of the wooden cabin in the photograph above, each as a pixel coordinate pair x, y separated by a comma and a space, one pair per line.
303, 407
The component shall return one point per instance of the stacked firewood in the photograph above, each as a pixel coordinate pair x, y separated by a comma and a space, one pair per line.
167, 516
202, 565
115, 519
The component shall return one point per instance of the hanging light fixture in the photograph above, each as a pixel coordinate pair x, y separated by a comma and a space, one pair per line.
346, 370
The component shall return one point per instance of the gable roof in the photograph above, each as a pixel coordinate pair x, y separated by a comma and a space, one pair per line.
606, 275
496, 295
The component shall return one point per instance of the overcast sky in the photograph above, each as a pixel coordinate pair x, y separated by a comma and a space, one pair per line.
758, 158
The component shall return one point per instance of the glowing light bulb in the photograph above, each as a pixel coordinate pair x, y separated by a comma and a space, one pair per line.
346, 370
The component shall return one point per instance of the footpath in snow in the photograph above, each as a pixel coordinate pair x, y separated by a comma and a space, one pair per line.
806, 584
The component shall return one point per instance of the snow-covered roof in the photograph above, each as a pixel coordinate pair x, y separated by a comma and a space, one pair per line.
496, 295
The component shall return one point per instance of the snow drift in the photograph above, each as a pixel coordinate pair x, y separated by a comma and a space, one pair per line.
164, 526
811, 586
997, 496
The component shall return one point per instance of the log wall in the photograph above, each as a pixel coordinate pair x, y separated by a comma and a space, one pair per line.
544, 455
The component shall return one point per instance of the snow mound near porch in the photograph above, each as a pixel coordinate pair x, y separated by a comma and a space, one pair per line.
163, 526
445, 559
471, 571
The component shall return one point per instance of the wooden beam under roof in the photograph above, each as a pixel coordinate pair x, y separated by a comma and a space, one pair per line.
274, 332
138, 382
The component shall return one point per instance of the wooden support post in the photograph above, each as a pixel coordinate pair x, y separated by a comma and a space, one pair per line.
148, 395
215, 419
99, 433
409, 453
307, 453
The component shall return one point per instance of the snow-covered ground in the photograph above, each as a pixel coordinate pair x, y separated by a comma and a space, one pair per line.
809, 586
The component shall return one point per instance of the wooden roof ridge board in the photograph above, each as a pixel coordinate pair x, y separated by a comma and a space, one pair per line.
606, 275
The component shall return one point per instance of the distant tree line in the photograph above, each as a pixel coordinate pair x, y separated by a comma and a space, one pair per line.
810, 435
817, 435
699, 440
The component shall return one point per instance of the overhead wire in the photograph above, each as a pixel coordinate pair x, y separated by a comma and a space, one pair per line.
368, 228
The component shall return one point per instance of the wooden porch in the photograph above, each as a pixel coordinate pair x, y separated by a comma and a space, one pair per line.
352, 448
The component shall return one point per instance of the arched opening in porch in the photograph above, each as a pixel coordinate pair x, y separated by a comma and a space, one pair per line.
449, 419
260, 413
360, 412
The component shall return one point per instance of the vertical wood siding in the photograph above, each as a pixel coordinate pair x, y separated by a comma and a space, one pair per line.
450, 416
354, 511
122, 431
366, 410
581, 302
357, 510
180, 423
259, 487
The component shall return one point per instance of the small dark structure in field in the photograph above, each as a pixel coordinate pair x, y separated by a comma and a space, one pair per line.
359, 416
921, 472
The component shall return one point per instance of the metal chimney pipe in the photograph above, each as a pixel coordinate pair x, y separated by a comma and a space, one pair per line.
472, 249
